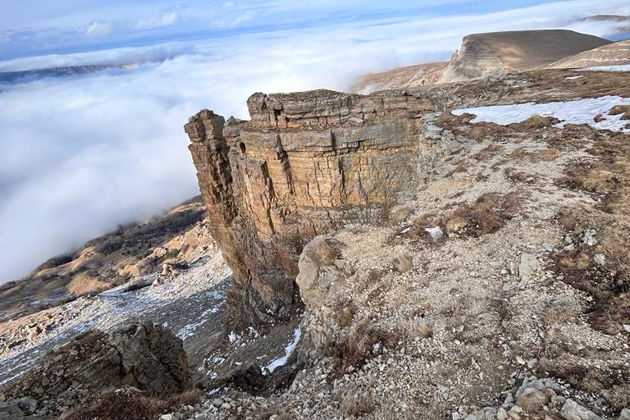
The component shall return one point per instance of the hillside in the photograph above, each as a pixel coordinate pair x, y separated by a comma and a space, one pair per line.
614, 54
488, 54
493, 53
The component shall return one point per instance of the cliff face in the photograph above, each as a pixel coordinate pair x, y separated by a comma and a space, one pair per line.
304, 165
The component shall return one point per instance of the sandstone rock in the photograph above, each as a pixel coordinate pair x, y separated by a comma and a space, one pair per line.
527, 267
318, 253
146, 357
304, 165
573, 411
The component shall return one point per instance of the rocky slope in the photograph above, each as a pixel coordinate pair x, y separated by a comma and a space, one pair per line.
146, 357
614, 54
502, 259
134, 253
491, 54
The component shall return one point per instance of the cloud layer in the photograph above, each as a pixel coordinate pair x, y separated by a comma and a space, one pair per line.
81, 155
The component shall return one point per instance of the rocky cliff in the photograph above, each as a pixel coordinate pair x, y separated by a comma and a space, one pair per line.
305, 164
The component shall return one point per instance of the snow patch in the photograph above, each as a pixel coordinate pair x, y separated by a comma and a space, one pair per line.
435, 232
579, 76
579, 111
288, 351
232, 336
189, 330
615, 69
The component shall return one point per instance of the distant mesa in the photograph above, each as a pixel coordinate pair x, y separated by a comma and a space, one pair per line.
495, 53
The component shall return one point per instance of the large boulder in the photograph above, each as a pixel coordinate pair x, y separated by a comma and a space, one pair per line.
144, 356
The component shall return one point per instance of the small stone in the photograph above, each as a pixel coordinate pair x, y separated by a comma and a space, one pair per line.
599, 259
546, 247
435, 232
217, 402
226, 406
515, 413
167, 417
508, 401
527, 267
532, 400
573, 411
502, 414
588, 237
624, 415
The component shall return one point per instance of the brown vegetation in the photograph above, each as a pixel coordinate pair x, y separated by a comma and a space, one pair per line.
131, 405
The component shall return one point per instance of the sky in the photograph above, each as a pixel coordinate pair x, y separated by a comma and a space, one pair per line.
84, 154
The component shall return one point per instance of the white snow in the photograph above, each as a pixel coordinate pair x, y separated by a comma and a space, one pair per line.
232, 336
435, 232
619, 68
579, 76
288, 351
579, 111
189, 329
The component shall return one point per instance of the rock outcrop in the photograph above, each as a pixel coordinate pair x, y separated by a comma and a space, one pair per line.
146, 357
305, 164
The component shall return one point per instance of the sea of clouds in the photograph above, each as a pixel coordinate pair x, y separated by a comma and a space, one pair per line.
84, 154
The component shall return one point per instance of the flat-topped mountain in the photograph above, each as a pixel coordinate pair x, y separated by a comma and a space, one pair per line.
487, 54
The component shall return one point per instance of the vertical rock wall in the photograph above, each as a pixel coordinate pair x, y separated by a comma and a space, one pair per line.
304, 165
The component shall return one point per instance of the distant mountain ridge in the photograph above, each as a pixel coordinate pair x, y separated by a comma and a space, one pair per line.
13, 76
487, 54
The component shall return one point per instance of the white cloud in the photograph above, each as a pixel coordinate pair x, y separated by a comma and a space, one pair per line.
98, 29
167, 19
81, 155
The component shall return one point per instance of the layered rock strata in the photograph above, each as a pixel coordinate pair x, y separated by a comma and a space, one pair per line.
144, 356
304, 165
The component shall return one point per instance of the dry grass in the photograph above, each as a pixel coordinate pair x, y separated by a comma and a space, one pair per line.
345, 311
488, 214
85, 284
358, 346
356, 405
131, 405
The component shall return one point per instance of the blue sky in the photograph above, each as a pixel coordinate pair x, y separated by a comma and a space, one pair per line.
83, 154
36, 27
